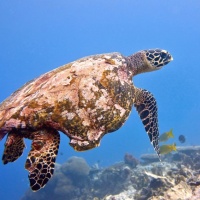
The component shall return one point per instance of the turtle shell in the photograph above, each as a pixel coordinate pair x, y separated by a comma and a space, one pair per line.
84, 99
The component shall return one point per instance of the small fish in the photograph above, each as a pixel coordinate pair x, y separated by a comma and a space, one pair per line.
167, 148
181, 138
165, 136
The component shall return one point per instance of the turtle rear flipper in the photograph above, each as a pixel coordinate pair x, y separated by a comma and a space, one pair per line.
146, 106
41, 158
14, 147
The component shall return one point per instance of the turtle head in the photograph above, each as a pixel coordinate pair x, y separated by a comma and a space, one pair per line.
149, 60
157, 57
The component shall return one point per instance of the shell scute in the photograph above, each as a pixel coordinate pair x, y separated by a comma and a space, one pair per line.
77, 97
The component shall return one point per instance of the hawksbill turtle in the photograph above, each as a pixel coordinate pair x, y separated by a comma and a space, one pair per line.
85, 100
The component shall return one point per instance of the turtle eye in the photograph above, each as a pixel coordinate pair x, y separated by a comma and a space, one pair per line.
158, 57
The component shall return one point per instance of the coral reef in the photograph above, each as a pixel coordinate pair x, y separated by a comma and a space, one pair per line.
176, 177
149, 158
130, 160
75, 166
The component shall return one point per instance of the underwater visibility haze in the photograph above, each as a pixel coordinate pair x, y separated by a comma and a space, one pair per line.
37, 37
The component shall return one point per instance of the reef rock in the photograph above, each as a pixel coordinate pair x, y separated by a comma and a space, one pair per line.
188, 149
75, 166
177, 177
149, 158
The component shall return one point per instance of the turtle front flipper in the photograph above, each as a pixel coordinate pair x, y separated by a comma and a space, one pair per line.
146, 106
41, 158
14, 147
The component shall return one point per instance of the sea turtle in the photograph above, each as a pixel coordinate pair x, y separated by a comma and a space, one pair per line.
85, 100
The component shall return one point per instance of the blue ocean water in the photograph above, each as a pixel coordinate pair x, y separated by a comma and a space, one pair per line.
38, 36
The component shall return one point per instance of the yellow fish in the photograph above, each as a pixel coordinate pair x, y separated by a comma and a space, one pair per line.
167, 148
165, 136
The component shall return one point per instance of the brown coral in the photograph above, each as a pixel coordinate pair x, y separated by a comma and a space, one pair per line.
130, 160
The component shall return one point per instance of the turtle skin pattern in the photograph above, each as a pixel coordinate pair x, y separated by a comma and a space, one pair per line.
14, 147
147, 110
41, 159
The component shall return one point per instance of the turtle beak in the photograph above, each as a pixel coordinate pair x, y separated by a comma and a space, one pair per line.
170, 57
167, 57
